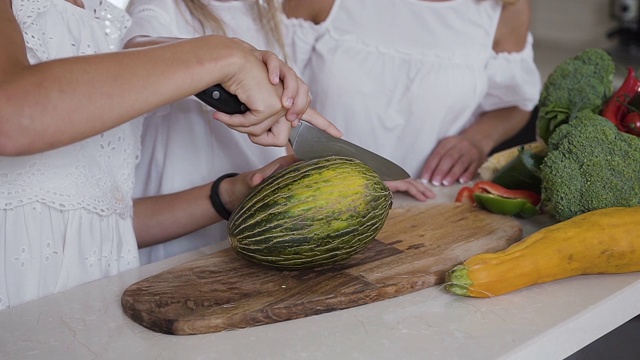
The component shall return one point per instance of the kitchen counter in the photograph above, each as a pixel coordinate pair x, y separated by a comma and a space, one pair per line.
548, 321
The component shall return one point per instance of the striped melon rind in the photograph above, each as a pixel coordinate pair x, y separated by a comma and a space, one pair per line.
310, 214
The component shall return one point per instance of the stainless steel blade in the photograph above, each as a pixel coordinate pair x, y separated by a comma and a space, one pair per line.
309, 143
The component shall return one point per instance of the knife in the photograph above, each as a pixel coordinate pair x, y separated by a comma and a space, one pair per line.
308, 142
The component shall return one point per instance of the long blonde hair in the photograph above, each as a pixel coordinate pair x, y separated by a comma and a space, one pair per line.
268, 12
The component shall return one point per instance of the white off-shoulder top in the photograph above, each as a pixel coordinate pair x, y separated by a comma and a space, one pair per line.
396, 76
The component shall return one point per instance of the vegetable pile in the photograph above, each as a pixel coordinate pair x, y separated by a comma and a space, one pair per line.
593, 160
586, 169
588, 153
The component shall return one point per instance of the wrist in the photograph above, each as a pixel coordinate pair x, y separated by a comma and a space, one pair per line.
483, 143
216, 199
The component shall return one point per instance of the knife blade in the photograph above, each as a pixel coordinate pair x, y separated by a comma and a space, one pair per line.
308, 142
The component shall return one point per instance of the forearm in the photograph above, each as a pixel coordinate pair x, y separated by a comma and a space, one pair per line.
166, 217
494, 127
44, 106
161, 218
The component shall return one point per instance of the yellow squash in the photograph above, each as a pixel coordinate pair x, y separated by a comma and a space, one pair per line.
605, 241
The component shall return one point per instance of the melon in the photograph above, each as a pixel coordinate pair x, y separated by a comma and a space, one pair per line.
310, 214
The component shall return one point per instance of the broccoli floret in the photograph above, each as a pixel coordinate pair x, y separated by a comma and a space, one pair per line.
590, 165
583, 82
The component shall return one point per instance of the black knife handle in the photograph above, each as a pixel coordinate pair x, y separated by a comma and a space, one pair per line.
220, 99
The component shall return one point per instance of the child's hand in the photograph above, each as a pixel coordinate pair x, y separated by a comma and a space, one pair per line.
414, 187
234, 190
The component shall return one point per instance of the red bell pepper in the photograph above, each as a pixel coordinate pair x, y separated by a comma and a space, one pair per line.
488, 187
500, 200
616, 108
632, 123
465, 195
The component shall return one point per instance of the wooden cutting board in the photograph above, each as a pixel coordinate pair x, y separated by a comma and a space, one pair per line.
221, 292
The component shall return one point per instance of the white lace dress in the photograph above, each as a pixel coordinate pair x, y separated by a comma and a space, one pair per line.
66, 214
396, 76
194, 150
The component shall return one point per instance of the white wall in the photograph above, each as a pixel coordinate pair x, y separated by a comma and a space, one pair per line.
574, 23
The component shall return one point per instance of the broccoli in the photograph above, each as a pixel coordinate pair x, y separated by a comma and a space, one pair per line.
590, 165
583, 82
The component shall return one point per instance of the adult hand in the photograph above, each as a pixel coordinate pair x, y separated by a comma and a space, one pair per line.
416, 188
455, 159
264, 123
314, 118
278, 134
249, 80
295, 95
272, 91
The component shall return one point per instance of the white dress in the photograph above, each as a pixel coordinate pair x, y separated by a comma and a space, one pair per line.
396, 76
182, 146
66, 214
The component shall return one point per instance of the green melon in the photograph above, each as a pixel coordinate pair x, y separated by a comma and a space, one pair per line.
311, 214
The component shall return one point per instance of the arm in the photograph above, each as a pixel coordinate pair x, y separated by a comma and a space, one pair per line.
513, 27
295, 95
166, 217
48, 105
457, 158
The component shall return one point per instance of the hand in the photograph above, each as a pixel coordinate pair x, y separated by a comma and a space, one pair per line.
416, 188
283, 128
455, 159
266, 121
295, 96
249, 80
278, 134
314, 118
233, 190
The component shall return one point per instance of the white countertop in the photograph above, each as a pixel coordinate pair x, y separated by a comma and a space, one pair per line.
548, 321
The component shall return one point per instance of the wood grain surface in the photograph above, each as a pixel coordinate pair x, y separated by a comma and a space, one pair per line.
221, 292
